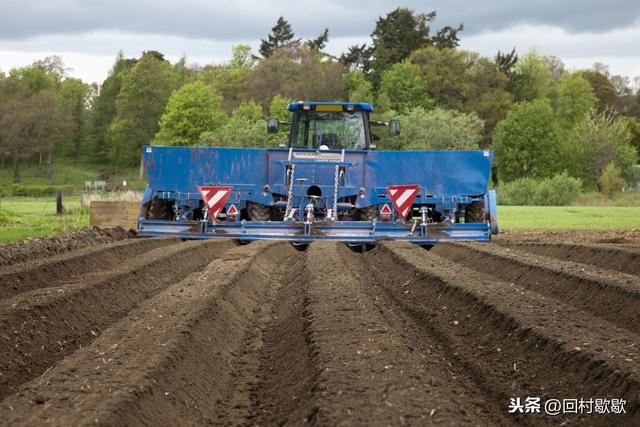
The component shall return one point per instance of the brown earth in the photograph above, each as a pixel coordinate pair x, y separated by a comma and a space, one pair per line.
164, 332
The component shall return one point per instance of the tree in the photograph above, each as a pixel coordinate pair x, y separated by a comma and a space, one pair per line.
241, 57
103, 110
278, 108
139, 106
74, 97
464, 81
602, 87
193, 109
439, 129
401, 32
245, 128
532, 77
506, 61
600, 138
525, 142
319, 42
357, 57
281, 35
297, 72
359, 89
404, 87
575, 98
28, 123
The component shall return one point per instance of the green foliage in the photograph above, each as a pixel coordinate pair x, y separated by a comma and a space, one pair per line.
559, 190
602, 87
74, 99
281, 35
241, 57
611, 180
297, 72
597, 140
20, 190
532, 76
139, 105
401, 32
193, 109
465, 81
438, 129
575, 98
245, 128
104, 106
525, 142
278, 108
359, 89
404, 87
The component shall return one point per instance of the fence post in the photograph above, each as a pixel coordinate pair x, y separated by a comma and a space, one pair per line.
59, 207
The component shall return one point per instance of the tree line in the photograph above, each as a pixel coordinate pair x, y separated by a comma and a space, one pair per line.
541, 119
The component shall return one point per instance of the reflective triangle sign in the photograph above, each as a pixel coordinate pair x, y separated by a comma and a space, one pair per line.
386, 210
402, 197
215, 197
232, 210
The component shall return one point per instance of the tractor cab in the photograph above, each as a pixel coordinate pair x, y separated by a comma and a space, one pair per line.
331, 126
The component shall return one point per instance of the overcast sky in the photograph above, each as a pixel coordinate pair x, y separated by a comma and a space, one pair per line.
88, 34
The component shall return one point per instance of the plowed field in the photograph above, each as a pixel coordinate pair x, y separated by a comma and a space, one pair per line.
166, 332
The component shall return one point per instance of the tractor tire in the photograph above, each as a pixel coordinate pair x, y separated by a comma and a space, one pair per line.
258, 212
474, 212
370, 213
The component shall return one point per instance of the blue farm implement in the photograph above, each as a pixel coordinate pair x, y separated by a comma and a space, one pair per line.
328, 182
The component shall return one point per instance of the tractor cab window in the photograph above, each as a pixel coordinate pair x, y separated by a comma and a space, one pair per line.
329, 130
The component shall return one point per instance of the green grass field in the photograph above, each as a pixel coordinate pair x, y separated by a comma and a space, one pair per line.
23, 217
568, 217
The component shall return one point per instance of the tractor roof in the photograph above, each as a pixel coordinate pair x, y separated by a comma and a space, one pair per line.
326, 106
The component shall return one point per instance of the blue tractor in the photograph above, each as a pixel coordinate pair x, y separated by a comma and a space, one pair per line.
328, 182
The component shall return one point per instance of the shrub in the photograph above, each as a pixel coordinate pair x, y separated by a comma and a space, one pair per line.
611, 180
21, 190
559, 190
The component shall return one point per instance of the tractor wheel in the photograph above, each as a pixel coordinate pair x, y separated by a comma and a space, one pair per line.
258, 212
474, 212
370, 213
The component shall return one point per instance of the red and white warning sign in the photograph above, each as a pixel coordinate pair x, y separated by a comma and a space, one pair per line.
385, 212
402, 197
232, 212
215, 197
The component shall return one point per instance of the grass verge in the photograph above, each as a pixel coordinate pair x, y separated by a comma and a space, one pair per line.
24, 217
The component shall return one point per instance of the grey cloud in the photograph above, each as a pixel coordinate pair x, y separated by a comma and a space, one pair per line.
246, 20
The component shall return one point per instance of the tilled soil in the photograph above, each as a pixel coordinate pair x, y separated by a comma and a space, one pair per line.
164, 332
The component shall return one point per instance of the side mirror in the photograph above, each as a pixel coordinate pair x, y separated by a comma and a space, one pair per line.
394, 127
272, 125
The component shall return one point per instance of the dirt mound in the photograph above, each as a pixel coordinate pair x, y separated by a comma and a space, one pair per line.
29, 249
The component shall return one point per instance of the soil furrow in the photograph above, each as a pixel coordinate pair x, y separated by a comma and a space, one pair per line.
611, 295
169, 362
51, 271
40, 327
512, 341
283, 394
374, 368
610, 257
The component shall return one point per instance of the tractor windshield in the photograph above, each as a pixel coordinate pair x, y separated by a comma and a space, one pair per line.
333, 130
